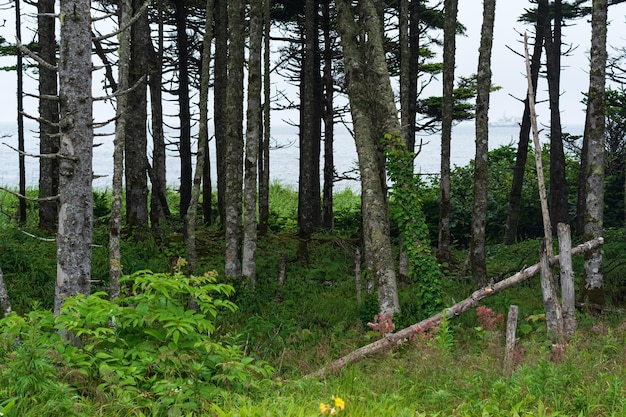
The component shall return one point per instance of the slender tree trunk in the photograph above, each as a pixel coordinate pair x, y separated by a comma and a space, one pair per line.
203, 136
136, 136
515, 197
49, 116
595, 132
558, 185
264, 153
182, 44
20, 116
449, 48
219, 98
234, 139
309, 215
374, 114
253, 137
159, 209
74, 235
483, 86
328, 218
5, 301
115, 225
414, 45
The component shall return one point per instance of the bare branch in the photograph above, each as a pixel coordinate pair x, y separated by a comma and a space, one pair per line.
34, 56
44, 156
128, 25
16, 194
118, 93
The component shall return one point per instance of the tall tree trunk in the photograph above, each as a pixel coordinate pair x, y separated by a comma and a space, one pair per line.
449, 49
184, 115
595, 135
203, 136
136, 114
559, 210
74, 235
264, 153
253, 137
373, 114
123, 67
20, 116
328, 219
309, 215
49, 116
414, 45
483, 86
219, 97
515, 196
234, 138
159, 209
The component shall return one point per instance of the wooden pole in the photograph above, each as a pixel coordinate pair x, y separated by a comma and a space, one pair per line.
568, 298
511, 328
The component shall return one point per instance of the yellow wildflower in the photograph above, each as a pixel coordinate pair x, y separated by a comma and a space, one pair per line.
339, 403
324, 409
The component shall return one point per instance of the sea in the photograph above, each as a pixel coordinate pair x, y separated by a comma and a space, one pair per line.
284, 154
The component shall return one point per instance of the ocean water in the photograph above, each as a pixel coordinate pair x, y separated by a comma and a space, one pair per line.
284, 154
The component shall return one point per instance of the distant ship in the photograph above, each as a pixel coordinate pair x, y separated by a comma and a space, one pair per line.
505, 121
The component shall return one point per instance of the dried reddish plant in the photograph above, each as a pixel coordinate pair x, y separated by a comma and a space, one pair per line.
383, 323
488, 319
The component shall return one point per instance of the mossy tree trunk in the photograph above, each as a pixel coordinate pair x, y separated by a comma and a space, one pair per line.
373, 115
483, 87
75, 223
595, 138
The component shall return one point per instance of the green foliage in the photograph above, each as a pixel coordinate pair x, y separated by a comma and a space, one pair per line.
406, 211
146, 349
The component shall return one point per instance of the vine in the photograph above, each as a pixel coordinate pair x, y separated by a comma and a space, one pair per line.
406, 210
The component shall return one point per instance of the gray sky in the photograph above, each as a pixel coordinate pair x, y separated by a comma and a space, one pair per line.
507, 67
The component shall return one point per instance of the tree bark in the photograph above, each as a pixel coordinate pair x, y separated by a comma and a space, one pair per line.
253, 137
5, 301
234, 139
49, 116
309, 204
568, 297
449, 49
203, 137
328, 219
136, 114
264, 152
373, 114
395, 339
219, 98
75, 223
559, 210
511, 327
483, 87
595, 132
115, 225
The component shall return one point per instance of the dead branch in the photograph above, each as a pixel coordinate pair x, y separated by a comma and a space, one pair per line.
395, 339
51, 198
34, 56
119, 93
32, 155
132, 20
43, 239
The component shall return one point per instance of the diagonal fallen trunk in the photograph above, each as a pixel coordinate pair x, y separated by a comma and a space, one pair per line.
395, 339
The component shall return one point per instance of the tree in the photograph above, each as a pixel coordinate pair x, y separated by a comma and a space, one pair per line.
373, 115
220, 83
483, 84
136, 114
48, 115
309, 205
328, 116
449, 49
515, 196
74, 235
595, 142
253, 137
234, 138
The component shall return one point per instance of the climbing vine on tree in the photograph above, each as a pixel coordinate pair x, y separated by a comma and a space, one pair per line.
406, 210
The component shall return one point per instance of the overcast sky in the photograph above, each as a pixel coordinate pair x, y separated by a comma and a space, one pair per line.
508, 68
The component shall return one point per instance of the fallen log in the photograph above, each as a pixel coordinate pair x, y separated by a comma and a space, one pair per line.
395, 339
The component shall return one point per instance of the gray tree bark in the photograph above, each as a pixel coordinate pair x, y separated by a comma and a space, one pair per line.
373, 114
568, 296
49, 116
595, 136
328, 218
233, 192
264, 152
136, 135
449, 49
115, 225
203, 137
5, 301
483, 86
75, 223
253, 137
219, 98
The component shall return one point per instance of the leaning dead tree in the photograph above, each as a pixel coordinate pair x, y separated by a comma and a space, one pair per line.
395, 339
